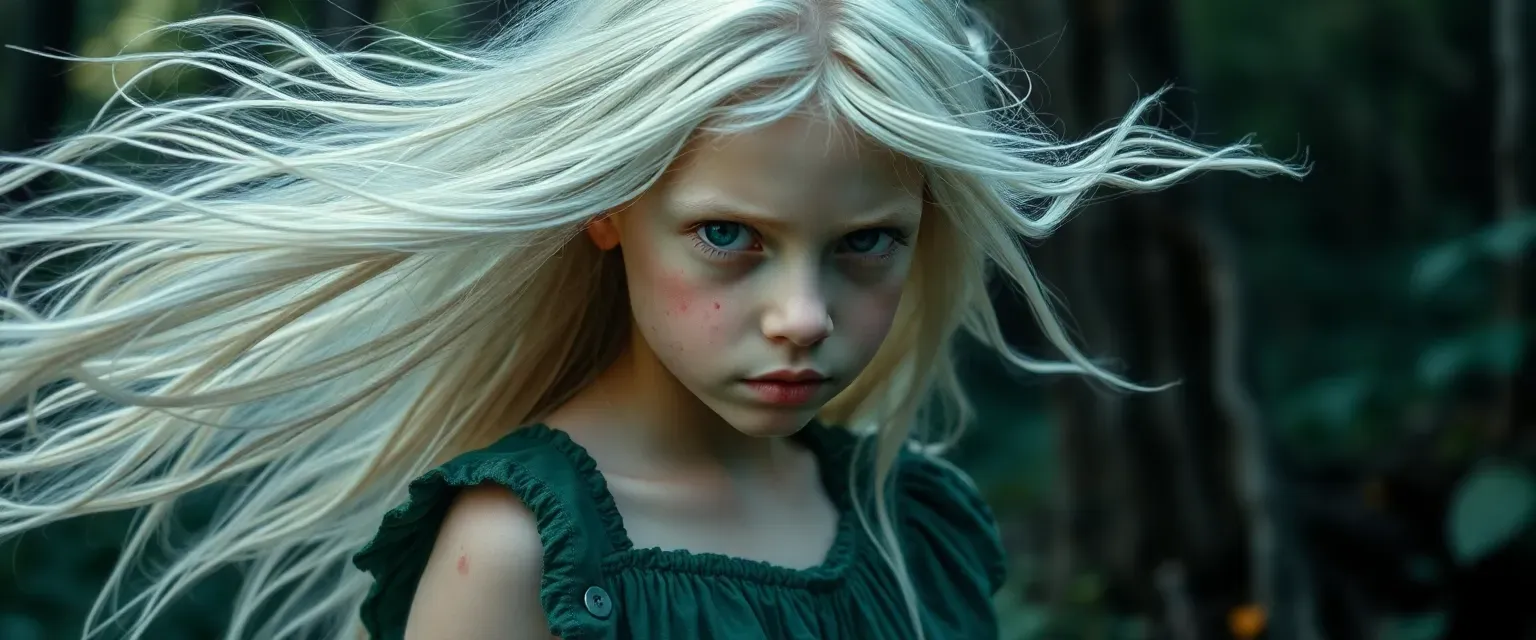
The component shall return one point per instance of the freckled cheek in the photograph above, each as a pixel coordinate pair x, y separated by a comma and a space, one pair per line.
716, 318
696, 314
675, 292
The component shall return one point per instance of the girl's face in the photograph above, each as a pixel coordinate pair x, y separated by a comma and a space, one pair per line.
765, 268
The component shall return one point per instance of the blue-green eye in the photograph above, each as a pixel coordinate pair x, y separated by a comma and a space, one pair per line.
871, 241
726, 236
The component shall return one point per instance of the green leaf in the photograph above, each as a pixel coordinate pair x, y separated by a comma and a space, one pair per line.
15, 626
1502, 241
1439, 265
1443, 362
1335, 402
1494, 503
1509, 239
1423, 626
1492, 349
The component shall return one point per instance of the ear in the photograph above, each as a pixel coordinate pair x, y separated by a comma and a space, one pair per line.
603, 232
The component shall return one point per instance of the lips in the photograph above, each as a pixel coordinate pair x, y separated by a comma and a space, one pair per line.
803, 375
788, 388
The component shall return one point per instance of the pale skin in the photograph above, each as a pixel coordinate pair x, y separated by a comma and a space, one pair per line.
781, 249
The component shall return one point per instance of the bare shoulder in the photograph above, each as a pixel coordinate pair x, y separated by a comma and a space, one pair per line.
487, 551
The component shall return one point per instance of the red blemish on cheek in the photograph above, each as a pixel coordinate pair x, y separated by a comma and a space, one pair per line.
717, 306
676, 290
463, 565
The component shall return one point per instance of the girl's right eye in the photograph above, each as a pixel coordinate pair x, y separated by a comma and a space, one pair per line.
726, 236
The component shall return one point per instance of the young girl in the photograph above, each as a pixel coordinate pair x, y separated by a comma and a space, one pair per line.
648, 297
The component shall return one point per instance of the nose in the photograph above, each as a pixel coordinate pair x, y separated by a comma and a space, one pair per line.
798, 314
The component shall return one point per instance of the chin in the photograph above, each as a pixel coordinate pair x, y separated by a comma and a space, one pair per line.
769, 422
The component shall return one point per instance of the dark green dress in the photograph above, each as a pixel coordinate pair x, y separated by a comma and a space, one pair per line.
598, 585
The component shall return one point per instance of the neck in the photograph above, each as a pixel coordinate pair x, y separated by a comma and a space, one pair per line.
639, 420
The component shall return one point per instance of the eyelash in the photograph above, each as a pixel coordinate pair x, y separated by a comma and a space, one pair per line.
707, 248
898, 237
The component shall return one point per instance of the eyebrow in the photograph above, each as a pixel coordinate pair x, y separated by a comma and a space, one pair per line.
889, 215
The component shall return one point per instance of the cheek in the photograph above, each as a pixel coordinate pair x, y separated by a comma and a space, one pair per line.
868, 317
676, 293
694, 314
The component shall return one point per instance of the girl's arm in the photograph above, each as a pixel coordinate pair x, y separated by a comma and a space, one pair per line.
482, 580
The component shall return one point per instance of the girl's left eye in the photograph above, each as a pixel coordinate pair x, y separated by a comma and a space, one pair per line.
871, 241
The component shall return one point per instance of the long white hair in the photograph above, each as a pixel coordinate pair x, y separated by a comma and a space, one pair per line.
353, 265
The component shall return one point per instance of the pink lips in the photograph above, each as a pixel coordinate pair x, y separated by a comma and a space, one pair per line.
788, 388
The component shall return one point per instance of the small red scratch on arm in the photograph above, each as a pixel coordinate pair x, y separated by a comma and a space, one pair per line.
463, 565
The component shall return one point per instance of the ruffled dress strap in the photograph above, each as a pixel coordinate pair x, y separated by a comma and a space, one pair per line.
953, 550
577, 521
952, 537
937, 505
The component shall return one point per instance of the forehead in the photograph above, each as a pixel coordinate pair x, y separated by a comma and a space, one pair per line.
795, 162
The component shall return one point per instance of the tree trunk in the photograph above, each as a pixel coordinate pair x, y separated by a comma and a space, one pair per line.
42, 91
48, 28
1508, 149
1278, 582
1093, 533
1179, 325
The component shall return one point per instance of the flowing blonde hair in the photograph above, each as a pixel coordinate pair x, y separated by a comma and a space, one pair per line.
355, 264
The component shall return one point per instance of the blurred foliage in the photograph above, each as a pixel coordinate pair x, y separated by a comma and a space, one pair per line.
1494, 505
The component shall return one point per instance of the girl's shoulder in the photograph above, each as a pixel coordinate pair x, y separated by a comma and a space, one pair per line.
553, 491
487, 549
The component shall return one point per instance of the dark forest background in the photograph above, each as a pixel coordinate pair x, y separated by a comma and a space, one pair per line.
1350, 455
